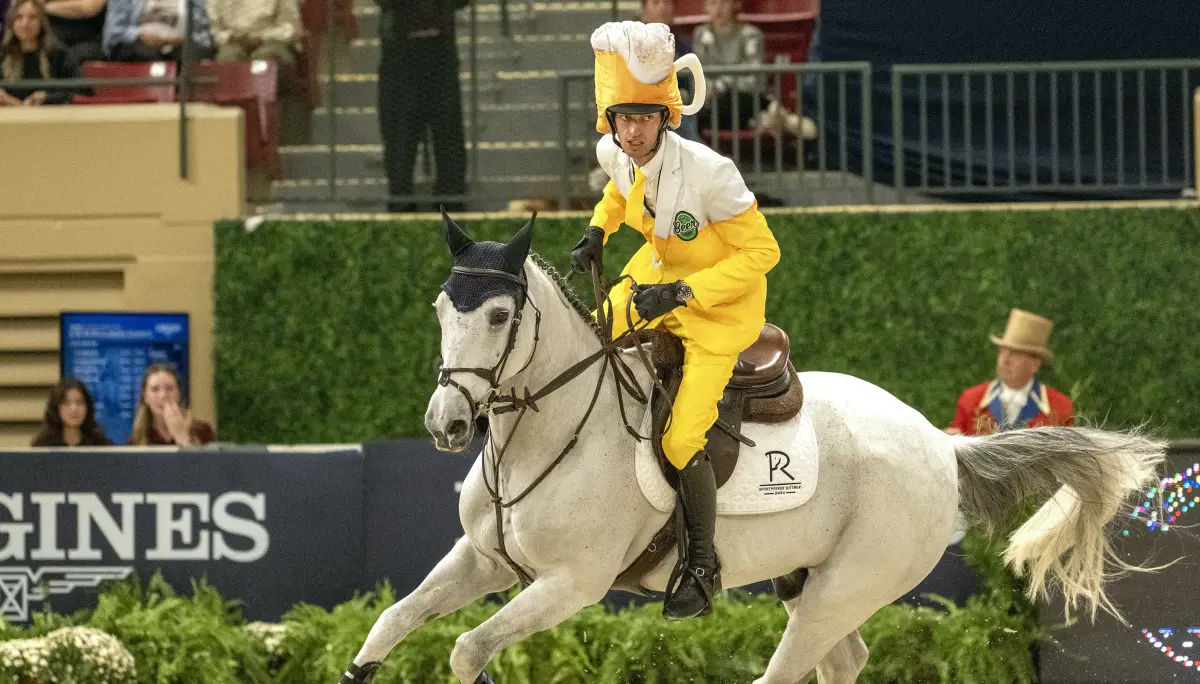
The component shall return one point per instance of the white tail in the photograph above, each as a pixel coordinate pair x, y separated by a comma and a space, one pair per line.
1086, 473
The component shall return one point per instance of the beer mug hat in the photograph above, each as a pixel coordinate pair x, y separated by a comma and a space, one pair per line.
636, 73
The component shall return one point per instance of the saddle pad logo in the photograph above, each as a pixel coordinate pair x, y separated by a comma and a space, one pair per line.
686, 227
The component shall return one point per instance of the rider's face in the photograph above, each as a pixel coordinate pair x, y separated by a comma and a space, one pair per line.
637, 134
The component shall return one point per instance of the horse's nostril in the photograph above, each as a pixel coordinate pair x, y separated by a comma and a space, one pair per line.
457, 429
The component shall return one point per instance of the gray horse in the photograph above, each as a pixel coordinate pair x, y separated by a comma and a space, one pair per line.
890, 487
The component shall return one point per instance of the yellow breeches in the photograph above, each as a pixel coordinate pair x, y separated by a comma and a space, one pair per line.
705, 376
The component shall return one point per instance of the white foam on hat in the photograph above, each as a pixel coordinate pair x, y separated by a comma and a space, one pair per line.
648, 49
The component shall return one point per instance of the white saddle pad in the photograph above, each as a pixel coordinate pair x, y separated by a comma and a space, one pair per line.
777, 474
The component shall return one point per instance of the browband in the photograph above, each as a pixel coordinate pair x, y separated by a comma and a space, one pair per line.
489, 273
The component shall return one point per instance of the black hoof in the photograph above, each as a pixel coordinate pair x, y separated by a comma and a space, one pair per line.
359, 675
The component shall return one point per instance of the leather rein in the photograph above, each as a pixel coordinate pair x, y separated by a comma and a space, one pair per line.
499, 403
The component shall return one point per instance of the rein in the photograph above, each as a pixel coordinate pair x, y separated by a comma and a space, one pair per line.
497, 403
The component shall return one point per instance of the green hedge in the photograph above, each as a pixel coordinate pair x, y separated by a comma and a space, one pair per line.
325, 333
202, 639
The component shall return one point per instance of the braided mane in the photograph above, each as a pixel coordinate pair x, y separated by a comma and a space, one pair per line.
568, 292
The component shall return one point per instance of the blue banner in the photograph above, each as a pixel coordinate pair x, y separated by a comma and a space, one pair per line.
109, 352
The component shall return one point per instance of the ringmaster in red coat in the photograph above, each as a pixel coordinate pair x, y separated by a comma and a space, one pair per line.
1016, 398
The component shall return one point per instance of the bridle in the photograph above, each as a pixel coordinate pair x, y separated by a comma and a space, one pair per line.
498, 403
494, 374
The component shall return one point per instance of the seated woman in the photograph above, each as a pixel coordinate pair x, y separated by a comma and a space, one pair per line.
70, 418
29, 50
160, 419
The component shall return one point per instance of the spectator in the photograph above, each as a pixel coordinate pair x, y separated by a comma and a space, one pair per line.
79, 25
160, 419
663, 12
152, 30
257, 29
419, 91
1016, 398
29, 50
726, 41
70, 418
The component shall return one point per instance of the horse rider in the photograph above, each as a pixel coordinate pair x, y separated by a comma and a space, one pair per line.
701, 274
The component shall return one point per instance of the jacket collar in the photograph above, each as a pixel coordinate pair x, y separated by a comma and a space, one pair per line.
1038, 402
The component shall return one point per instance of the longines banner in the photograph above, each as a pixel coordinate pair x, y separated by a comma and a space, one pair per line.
272, 528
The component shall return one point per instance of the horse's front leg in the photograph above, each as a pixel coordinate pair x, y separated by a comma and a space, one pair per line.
552, 598
460, 578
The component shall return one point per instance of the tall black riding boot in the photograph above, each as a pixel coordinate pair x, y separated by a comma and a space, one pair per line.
702, 577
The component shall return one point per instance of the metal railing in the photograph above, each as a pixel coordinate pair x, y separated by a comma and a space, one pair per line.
776, 160
1090, 127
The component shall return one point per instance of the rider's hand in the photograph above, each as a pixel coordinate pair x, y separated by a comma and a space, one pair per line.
590, 249
652, 301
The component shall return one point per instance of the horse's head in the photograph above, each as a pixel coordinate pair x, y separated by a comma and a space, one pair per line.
480, 311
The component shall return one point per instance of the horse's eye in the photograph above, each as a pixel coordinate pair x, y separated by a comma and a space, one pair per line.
499, 317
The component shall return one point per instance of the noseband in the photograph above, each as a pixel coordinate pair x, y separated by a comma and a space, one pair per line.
493, 374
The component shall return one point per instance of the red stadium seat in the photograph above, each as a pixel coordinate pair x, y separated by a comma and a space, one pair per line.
308, 68
314, 15
251, 85
126, 94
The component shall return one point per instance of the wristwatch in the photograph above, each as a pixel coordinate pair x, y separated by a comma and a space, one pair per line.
684, 293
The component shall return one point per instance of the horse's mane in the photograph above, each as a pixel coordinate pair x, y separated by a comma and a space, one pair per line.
584, 311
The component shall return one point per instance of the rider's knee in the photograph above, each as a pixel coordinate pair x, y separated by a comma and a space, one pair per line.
680, 449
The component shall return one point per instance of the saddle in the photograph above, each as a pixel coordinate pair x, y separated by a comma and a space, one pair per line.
764, 389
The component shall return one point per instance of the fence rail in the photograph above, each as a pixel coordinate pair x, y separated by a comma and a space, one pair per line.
1101, 127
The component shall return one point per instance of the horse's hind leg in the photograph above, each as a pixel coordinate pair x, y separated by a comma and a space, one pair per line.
822, 631
844, 661
460, 578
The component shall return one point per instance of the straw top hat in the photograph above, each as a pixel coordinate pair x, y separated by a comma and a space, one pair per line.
1027, 332
636, 73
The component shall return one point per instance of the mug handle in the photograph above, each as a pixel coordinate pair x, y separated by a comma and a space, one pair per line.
692, 63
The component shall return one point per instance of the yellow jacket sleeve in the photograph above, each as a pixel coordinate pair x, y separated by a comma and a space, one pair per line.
610, 210
735, 217
755, 253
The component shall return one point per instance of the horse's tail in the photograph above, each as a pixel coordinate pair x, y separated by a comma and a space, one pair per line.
1087, 473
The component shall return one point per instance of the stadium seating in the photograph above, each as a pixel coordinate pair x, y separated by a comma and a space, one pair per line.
252, 86
128, 94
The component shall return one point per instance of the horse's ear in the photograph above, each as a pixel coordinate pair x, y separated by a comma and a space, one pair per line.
517, 248
455, 237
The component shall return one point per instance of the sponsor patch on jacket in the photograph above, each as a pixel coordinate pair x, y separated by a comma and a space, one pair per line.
686, 227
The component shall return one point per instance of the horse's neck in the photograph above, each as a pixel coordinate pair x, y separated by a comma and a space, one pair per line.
565, 338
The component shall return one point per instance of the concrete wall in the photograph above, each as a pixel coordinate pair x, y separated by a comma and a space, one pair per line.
94, 216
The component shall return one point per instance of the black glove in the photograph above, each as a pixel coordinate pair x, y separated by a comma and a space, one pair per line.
652, 301
589, 249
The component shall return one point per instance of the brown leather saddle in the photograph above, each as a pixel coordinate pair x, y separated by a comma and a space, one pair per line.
764, 389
